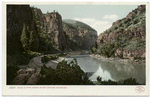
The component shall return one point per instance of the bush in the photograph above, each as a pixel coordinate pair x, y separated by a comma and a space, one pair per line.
99, 79
135, 21
109, 48
129, 81
120, 25
70, 73
116, 27
94, 50
64, 74
11, 73
49, 78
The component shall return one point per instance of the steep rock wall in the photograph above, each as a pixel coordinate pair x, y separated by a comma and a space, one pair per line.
127, 32
17, 15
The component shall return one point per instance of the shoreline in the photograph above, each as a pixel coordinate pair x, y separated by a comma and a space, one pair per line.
135, 62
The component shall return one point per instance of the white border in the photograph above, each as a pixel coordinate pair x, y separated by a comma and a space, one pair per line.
74, 90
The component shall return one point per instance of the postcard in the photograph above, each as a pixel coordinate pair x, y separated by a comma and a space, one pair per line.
75, 49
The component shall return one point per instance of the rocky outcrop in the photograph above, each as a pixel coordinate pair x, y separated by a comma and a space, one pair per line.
128, 33
117, 22
54, 27
26, 77
141, 9
21, 79
34, 79
130, 15
130, 54
124, 32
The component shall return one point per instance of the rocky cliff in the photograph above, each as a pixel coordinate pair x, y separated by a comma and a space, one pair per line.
64, 35
17, 15
126, 37
29, 32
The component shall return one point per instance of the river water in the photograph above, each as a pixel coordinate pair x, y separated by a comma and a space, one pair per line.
108, 70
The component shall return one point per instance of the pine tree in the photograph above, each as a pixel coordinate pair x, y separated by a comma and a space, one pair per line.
24, 38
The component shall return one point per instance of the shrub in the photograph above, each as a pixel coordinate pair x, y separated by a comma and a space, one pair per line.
135, 21
64, 74
49, 76
120, 25
109, 48
34, 54
69, 73
129, 81
116, 27
94, 50
99, 79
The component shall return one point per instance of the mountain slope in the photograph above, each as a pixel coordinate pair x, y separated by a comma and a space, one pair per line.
126, 37
77, 24
80, 33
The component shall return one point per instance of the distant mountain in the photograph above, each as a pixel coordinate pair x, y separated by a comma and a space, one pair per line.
80, 33
76, 24
126, 38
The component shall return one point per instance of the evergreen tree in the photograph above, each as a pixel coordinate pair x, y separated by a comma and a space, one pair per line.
24, 38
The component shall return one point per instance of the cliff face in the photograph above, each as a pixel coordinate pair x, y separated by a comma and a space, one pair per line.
17, 15
81, 34
64, 35
50, 30
128, 35
29, 29
54, 28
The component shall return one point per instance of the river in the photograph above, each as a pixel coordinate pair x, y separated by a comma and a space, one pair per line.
108, 70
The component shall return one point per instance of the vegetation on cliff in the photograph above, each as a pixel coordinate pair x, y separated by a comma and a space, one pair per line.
125, 38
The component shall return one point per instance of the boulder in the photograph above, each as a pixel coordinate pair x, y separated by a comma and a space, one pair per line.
34, 79
21, 79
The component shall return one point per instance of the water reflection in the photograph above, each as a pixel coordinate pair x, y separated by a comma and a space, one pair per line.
109, 70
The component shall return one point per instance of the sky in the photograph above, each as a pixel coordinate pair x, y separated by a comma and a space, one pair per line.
99, 17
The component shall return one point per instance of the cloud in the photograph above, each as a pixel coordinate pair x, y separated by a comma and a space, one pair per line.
98, 25
111, 17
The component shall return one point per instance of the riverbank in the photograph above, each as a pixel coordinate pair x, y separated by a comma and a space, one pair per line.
135, 61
